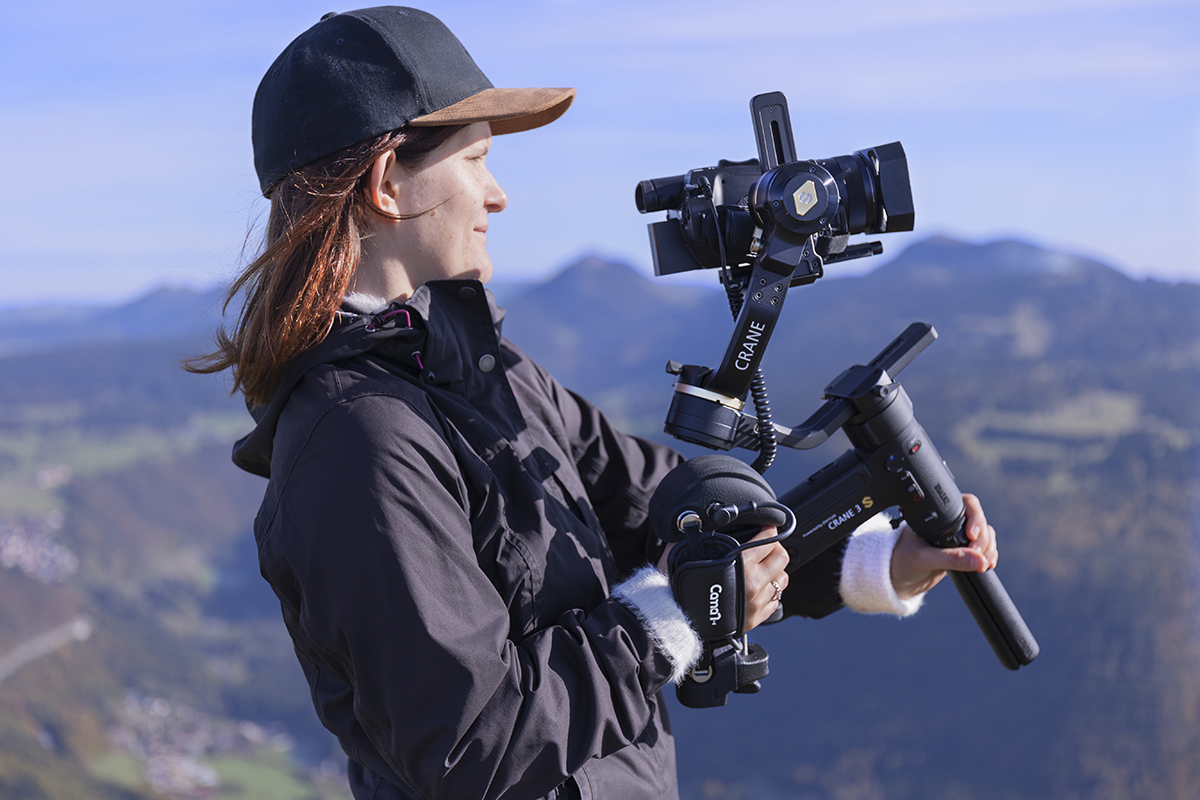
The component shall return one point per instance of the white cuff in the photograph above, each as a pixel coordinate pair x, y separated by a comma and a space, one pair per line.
866, 583
647, 593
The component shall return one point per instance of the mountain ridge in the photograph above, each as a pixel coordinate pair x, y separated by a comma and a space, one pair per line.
1069, 401
1011, 257
173, 312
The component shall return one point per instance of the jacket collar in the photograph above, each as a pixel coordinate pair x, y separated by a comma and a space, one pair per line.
460, 321
440, 332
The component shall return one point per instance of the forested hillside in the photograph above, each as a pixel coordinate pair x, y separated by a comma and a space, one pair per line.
141, 655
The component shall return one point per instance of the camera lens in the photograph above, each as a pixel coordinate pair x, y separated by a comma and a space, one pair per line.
659, 194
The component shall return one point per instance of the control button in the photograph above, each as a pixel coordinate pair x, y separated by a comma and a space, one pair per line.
911, 486
932, 516
914, 447
895, 464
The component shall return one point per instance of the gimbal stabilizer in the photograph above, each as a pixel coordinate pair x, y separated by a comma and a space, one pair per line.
800, 213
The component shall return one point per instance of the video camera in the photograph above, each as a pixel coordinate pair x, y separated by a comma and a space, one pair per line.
768, 225
768, 208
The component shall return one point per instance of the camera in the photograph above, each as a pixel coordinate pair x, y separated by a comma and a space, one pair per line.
768, 208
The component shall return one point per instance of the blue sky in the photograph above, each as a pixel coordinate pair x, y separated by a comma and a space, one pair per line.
1071, 123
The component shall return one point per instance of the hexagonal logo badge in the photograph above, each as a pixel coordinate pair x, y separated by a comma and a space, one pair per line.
805, 198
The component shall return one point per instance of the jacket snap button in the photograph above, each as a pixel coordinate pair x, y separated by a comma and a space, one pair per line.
467, 293
487, 362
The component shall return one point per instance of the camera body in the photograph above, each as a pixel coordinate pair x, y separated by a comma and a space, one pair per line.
768, 208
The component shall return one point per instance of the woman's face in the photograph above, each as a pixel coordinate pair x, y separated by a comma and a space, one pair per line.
456, 193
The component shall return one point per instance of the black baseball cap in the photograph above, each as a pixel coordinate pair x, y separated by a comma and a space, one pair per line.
361, 74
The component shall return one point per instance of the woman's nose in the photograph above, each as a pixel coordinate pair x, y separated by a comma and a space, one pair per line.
495, 200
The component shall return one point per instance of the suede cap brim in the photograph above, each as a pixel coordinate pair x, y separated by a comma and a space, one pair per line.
508, 110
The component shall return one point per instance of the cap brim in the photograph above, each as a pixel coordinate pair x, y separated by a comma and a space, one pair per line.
508, 110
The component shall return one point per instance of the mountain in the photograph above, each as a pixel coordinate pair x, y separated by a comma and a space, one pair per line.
1061, 391
943, 260
607, 331
164, 314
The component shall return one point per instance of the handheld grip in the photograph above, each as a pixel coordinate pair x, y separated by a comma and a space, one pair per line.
994, 611
997, 617
933, 506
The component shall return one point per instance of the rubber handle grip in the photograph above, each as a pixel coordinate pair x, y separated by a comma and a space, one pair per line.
997, 617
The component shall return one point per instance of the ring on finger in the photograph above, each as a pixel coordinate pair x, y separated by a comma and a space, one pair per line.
778, 591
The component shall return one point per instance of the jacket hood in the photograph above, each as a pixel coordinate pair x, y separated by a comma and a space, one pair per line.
418, 332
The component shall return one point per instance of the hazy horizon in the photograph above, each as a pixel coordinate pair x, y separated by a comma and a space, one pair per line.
707, 278
1074, 124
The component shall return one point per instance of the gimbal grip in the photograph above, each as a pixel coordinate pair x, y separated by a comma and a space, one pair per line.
989, 603
993, 610
997, 616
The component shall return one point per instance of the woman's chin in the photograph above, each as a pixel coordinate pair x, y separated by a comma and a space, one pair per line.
482, 272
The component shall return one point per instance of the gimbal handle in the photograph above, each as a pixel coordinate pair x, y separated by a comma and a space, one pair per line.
994, 612
893, 462
831, 504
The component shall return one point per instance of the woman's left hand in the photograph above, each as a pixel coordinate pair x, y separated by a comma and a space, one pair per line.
918, 566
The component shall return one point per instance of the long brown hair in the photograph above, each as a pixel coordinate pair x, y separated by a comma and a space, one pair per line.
318, 218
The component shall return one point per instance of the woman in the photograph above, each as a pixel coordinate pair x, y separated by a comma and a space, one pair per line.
458, 542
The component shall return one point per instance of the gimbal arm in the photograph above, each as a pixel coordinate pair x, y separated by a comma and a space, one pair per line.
836, 411
786, 256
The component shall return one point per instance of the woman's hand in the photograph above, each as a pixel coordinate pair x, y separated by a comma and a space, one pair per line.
918, 566
765, 569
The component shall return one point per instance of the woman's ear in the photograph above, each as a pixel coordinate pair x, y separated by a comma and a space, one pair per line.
382, 190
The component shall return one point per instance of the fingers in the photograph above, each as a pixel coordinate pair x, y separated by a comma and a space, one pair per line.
765, 568
976, 519
762, 598
773, 553
982, 536
954, 559
986, 545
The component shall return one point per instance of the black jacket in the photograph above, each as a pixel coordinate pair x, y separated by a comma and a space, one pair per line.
443, 526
